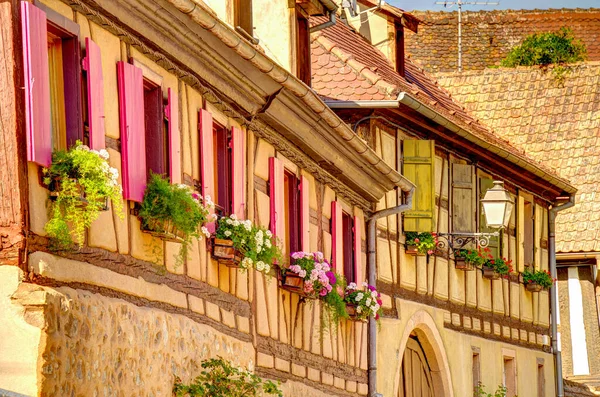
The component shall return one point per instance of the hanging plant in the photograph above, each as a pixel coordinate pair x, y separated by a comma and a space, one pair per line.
537, 280
251, 246
422, 243
468, 259
494, 268
362, 303
81, 182
174, 212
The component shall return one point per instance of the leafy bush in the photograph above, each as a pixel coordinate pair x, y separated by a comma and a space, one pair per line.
425, 242
541, 277
82, 180
257, 244
480, 392
185, 210
547, 48
221, 379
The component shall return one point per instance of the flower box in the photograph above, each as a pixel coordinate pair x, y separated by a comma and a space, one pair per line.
533, 287
55, 188
164, 229
490, 273
291, 282
462, 264
411, 250
224, 251
353, 314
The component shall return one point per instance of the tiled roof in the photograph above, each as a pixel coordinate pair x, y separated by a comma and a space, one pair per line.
556, 125
347, 67
487, 36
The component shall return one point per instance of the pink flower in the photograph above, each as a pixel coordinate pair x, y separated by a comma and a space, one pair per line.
332, 278
298, 255
430, 252
308, 287
417, 240
323, 292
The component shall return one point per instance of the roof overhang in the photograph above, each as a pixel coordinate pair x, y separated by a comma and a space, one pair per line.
406, 19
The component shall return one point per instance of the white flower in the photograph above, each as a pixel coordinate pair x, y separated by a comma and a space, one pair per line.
246, 263
268, 243
227, 233
269, 234
229, 222
83, 147
247, 225
352, 286
302, 273
260, 266
267, 268
114, 173
359, 309
208, 201
368, 302
374, 295
205, 231
375, 308
214, 217
233, 216
359, 297
365, 284
103, 153
243, 241
236, 223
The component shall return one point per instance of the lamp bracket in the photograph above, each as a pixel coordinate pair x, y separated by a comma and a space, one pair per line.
457, 241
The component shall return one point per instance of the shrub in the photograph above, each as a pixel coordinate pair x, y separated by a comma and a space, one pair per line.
221, 379
547, 48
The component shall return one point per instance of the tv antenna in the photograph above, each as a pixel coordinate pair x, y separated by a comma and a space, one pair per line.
459, 4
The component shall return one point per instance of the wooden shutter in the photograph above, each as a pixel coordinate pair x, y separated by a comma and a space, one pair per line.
172, 113
419, 158
494, 245
304, 214
207, 176
276, 194
463, 213
37, 84
92, 64
238, 172
133, 140
337, 235
358, 249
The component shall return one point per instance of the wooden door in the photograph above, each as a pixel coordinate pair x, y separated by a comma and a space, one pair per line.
415, 374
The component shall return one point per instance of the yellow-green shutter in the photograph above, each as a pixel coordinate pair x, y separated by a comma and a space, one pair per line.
463, 213
419, 160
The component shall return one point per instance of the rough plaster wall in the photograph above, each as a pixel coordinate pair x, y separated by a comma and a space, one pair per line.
106, 346
563, 326
272, 26
590, 318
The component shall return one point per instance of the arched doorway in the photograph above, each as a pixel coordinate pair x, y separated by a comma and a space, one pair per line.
415, 373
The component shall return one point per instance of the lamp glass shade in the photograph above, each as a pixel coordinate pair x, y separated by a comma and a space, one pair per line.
497, 206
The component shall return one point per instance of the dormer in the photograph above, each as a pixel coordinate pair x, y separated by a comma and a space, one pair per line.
381, 25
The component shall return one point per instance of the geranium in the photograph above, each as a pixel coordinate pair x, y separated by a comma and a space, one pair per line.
425, 242
257, 244
501, 266
320, 281
541, 277
475, 257
366, 300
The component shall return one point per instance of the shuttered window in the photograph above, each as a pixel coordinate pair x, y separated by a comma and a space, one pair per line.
304, 214
205, 129
302, 47
419, 168
238, 172
292, 212
463, 210
276, 196
155, 130
133, 139
348, 247
222, 169
337, 253
92, 64
172, 116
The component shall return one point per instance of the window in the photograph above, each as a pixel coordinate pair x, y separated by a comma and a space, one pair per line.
541, 379
292, 212
64, 74
222, 169
302, 47
528, 233
348, 247
485, 183
419, 161
509, 376
242, 15
400, 49
476, 368
157, 161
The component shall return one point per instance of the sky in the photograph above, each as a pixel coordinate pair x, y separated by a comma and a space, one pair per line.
409, 5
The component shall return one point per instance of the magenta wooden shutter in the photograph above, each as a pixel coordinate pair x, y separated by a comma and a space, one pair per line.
172, 113
133, 140
304, 214
92, 63
337, 235
238, 172
358, 249
276, 189
37, 84
207, 174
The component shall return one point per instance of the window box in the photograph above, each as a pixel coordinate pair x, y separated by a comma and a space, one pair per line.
291, 282
463, 264
164, 229
353, 314
532, 286
411, 250
490, 273
223, 251
55, 189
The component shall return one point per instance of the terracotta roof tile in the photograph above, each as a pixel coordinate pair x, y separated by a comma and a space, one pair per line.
559, 126
487, 36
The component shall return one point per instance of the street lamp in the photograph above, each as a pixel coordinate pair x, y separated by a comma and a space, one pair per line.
497, 206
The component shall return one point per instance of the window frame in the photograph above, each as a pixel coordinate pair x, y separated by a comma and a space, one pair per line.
293, 241
348, 255
222, 163
508, 356
157, 158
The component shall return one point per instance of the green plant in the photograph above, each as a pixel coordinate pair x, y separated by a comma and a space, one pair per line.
501, 266
472, 256
480, 391
165, 203
257, 244
367, 300
82, 181
425, 241
221, 379
541, 277
550, 48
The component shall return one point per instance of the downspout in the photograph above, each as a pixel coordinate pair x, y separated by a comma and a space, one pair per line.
554, 291
325, 25
372, 280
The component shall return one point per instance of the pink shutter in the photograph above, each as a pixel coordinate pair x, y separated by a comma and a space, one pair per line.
238, 172
172, 113
276, 195
37, 84
92, 63
337, 236
304, 214
358, 249
207, 164
133, 139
